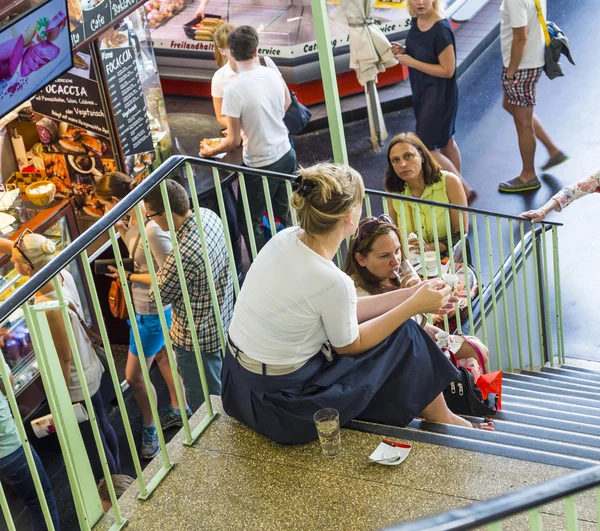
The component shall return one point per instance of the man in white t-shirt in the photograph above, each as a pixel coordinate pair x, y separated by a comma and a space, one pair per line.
256, 101
522, 42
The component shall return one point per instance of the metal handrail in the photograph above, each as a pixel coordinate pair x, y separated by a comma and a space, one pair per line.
379, 193
171, 165
489, 511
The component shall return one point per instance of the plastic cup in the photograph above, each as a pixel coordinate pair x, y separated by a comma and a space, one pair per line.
451, 280
431, 262
327, 422
442, 339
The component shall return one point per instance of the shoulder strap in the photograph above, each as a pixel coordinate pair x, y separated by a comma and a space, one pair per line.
92, 335
132, 250
540, 13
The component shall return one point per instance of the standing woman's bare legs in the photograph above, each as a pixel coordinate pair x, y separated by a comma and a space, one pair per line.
447, 165
452, 153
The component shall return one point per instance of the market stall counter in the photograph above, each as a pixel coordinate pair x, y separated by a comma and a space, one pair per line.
286, 27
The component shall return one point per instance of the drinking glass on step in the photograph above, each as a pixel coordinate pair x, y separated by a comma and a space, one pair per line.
327, 422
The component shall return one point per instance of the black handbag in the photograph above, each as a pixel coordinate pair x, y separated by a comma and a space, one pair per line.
297, 116
463, 397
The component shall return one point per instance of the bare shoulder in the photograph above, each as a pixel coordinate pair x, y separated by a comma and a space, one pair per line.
455, 189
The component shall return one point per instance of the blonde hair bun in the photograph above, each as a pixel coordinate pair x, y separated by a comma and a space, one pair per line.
48, 246
325, 193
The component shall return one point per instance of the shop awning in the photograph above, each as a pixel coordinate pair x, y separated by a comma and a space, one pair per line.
370, 54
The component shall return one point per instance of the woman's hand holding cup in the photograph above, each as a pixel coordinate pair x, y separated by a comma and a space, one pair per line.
432, 297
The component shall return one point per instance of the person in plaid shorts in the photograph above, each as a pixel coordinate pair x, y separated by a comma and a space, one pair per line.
196, 279
522, 42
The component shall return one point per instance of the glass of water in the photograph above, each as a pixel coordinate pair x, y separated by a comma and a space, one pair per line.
327, 422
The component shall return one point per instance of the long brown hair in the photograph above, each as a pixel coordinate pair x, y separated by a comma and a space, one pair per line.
431, 169
362, 277
220, 41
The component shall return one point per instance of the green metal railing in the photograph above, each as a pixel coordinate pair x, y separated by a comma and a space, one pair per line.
520, 293
528, 501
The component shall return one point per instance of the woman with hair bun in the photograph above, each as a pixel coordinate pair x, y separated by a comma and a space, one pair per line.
300, 339
31, 252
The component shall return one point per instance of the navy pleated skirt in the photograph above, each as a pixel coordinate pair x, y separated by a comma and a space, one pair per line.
389, 384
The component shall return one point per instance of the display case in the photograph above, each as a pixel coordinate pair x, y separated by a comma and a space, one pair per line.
133, 32
57, 223
286, 30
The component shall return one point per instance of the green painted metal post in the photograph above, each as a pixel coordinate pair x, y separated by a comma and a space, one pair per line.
76, 360
163, 323
537, 280
598, 507
513, 263
508, 334
571, 513
436, 244
12, 401
223, 215
535, 520
488, 237
10, 524
465, 266
548, 309
288, 188
558, 296
247, 218
328, 77
114, 376
479, 282
81, 478
525, 293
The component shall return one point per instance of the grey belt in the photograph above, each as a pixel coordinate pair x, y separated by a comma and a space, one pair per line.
258, 367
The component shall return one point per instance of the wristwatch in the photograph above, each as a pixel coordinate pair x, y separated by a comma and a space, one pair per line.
508, 78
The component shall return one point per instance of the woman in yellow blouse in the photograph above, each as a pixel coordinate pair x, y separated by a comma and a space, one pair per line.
413, 172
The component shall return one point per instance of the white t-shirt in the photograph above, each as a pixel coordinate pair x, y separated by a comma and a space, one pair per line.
221, 79
92, 367
257, 98
292, 302
517, 14
225, 75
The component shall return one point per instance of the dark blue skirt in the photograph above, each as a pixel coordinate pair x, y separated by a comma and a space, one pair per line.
389, 384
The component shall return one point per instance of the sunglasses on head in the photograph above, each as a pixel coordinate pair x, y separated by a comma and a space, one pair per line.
18, 246
369, 226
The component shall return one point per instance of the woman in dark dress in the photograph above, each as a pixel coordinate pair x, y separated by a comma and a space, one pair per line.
300, 339
430, 55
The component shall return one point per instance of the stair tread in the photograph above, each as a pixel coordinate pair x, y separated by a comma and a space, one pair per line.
484, 446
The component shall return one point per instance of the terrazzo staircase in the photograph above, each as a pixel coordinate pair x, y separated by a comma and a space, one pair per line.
551, 416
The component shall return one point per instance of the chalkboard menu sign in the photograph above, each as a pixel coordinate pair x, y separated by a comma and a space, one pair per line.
90, 17
127, 99
73, 99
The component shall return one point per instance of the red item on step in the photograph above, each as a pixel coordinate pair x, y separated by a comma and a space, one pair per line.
491, 383
397, 444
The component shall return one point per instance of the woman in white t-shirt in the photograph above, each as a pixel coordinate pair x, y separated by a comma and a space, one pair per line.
296, 305
30, 253
226, 72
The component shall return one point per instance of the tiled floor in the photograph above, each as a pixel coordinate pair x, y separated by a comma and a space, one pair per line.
235, 479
